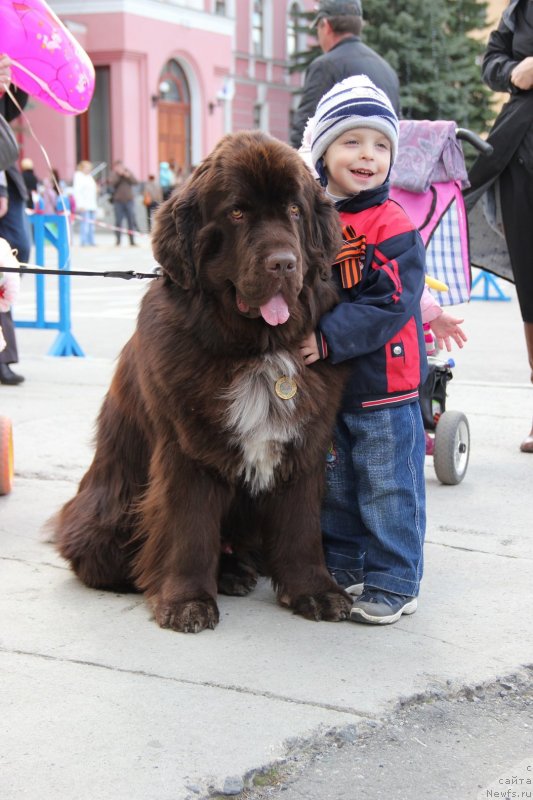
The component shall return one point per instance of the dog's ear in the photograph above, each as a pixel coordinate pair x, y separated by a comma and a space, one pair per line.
324, 234
176, 225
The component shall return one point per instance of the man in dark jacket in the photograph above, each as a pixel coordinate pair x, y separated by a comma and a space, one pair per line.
122, 181
338, 26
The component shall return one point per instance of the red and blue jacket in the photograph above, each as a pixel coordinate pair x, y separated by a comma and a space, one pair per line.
377, 324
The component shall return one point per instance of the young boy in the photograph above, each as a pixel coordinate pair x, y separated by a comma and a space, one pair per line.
374, 512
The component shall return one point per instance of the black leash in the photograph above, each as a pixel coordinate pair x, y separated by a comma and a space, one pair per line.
127, 276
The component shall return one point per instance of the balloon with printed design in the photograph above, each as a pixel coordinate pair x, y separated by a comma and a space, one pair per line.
47, 61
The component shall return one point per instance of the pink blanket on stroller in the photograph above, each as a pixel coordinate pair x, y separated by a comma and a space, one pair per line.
428, 152
427, 181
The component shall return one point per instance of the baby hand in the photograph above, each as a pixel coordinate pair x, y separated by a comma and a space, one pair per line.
445, 327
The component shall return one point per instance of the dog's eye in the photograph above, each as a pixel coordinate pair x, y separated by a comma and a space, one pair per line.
294, 211
236, 214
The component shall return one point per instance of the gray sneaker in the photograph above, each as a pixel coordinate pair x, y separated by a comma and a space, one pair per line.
377, 607
350, 580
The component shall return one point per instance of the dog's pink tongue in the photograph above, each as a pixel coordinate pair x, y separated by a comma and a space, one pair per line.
276, 311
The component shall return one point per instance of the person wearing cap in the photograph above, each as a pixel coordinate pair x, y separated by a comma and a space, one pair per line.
374, 511
338, 25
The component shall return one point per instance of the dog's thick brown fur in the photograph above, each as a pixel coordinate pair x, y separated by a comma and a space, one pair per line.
200, 466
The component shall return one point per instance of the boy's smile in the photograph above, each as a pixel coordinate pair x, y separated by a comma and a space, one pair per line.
359, 159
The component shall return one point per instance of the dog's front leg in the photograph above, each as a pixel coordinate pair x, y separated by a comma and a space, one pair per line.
177, 565
294, 555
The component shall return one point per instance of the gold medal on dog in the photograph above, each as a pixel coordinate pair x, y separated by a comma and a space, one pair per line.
285, 387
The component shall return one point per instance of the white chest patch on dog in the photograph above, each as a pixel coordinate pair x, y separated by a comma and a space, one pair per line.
261, 423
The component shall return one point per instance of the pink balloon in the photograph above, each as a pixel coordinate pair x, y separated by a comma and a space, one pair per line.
47, 61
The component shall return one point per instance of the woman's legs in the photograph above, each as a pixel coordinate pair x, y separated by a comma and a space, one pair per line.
84, 229
516, 193
527, 445
13, 228
91, 216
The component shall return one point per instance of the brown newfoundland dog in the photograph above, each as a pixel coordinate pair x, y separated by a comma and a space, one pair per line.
211, 442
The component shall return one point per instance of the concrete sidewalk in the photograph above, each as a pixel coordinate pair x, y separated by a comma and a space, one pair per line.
99, 703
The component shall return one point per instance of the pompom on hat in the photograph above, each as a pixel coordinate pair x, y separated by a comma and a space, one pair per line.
352, 103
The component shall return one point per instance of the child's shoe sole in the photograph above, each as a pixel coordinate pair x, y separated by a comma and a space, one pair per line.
362, 614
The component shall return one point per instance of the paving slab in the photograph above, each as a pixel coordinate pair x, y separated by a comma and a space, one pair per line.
98, 702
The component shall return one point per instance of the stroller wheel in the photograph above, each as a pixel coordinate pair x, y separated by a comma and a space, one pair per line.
452, 447
6, 455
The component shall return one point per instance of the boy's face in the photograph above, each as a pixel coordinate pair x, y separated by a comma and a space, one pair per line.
359, 159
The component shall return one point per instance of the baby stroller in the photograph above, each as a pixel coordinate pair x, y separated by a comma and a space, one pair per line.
427, 180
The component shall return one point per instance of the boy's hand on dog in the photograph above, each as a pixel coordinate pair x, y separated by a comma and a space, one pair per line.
309, 349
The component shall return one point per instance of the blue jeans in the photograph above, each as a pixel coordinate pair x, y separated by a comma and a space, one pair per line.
87, 228
124, 211
374, 511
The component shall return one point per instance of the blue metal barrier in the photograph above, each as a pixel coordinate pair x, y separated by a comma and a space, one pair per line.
488, 281
43, 231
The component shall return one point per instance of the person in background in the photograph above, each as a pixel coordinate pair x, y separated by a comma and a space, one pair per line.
13, 227
167, 179
49, 196
31, 181
338, 25
374, 510
152, 197
122, 181
508, 67
85, 192
179, 174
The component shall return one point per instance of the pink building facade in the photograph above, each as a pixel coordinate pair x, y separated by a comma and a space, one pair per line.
172, 76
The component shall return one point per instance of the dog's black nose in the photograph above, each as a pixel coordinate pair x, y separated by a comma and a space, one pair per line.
284, 261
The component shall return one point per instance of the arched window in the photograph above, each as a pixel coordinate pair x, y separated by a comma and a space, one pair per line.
258, 28
293, 36
173, 86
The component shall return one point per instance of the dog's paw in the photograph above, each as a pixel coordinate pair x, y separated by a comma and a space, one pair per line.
329, 606
236, 585
235, 577
187, 616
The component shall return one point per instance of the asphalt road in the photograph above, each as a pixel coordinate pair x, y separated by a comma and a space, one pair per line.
475, 745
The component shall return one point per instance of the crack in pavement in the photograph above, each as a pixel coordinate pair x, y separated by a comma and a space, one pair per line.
189, 682
475, 550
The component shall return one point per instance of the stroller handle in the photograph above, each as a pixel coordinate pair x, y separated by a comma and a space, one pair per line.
475, 140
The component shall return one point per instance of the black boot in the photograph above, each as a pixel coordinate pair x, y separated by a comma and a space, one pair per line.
8, 377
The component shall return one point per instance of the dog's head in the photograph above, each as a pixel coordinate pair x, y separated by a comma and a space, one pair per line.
252, 230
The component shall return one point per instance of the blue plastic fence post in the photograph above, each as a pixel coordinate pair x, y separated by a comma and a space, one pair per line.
53, 228
39, 237
65, 344
488, 281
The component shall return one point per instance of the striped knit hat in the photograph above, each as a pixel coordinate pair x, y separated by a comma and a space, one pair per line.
352, 103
